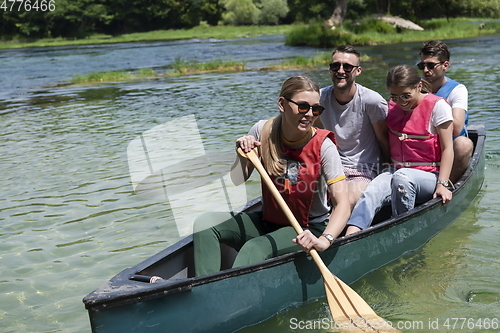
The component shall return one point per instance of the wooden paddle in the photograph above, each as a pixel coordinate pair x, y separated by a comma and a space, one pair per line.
349, 311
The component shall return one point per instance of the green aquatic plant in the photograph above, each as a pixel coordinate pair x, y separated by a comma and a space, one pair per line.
181, 66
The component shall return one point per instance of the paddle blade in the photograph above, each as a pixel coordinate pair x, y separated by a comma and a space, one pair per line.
349, 311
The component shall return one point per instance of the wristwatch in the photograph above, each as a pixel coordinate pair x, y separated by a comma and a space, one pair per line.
443, 182
329, 237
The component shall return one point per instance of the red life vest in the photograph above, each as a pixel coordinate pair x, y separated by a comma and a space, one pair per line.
411, 143
297, 188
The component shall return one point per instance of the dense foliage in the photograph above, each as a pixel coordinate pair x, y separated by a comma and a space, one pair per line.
33, 19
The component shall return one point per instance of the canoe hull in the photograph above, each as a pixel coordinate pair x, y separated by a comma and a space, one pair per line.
236, 298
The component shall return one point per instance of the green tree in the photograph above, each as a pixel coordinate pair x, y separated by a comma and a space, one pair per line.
80, 18
240, 12
308, 11
76, 18
211, 11
272, 11
483, 8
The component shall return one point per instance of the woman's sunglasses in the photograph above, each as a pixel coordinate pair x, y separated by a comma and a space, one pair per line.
304, 107
429, 65
403, 97
335, 67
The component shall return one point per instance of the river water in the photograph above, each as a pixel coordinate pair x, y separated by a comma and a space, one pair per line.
70, 219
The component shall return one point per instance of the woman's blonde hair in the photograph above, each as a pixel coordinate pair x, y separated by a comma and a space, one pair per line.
272, 148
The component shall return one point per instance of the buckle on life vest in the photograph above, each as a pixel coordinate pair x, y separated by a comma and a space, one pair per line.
403, 136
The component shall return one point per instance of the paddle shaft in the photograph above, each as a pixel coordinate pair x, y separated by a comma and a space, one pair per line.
252, 156
345, 304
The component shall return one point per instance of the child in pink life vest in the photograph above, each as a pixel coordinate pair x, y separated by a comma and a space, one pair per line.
420, 139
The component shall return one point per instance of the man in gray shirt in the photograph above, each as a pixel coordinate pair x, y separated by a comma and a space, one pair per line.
357, 117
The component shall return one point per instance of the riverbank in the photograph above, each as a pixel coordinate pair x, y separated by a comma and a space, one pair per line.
316, 35
199, 32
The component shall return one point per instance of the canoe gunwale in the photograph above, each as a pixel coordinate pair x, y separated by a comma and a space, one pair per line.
122, 290
420, 209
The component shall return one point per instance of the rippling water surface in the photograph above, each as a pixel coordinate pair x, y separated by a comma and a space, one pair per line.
69, 219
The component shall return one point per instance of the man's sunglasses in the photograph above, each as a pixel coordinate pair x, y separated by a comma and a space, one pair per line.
304, 107
335, 67
429, 65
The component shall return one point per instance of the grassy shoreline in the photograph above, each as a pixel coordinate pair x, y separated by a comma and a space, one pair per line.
200, 32
442, 29
375, 32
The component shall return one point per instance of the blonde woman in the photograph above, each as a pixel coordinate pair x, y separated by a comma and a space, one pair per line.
304, 164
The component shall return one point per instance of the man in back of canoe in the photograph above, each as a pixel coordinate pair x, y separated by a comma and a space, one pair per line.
434, 62
304, 164
356, 115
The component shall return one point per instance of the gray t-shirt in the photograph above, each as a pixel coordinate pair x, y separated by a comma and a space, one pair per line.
352, 124
331, 171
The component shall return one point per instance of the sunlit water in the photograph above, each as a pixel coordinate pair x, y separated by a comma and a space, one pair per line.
69, 218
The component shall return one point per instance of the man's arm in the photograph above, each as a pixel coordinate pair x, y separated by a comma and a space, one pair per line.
458, 120
380, 129
458, 99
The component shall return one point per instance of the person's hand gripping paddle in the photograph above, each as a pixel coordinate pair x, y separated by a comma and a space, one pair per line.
349, 311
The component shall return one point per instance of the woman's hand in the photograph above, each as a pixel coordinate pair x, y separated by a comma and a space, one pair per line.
308, 241
443, 192
247, 143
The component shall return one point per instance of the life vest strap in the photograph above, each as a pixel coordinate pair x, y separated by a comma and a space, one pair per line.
410, 164
404, 136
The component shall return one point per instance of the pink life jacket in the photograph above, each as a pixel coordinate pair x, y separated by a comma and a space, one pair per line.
411, 143
297, 188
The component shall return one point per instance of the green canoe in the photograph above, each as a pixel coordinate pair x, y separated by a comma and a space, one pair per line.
160, 294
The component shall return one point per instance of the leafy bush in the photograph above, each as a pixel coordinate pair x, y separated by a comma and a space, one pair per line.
318, 60
319, 35
372, 25
305, 35
434, 24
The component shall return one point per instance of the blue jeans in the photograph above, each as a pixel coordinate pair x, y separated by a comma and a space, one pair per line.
402, 188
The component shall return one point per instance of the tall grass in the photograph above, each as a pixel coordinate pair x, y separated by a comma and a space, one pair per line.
113, 76
101, 77
179, 67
